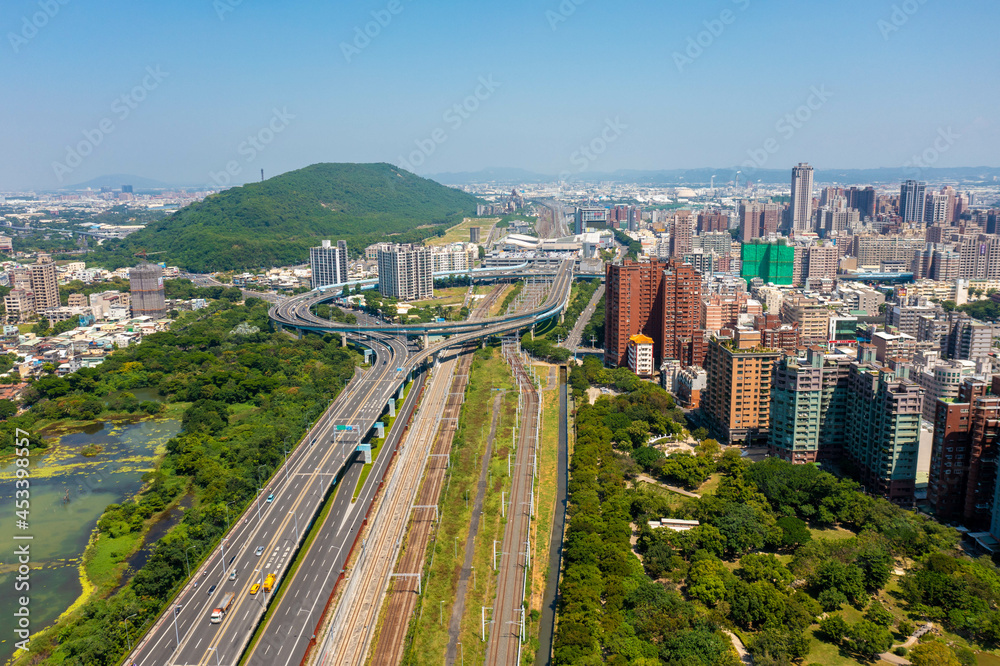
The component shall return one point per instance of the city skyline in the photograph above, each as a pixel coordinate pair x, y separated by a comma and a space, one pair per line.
537, 87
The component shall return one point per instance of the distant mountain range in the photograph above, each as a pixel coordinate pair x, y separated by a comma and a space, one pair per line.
274, 223
970, 175
116, 180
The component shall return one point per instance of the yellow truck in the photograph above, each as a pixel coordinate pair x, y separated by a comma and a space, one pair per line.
268, 583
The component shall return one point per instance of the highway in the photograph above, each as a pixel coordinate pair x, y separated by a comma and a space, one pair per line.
295, 313
299, 489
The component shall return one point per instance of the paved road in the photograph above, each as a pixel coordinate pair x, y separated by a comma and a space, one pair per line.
298, 493
205, 280
572, 341
276, 527
290, 630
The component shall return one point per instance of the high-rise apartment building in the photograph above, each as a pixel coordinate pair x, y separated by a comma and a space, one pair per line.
935, 208
19, 303
968, 338
633, 304
821, 262
802, 194
942, 382
758, 219
862, 200
681, 232
682, 337
811, 316
406, 272
737, 398
712, 220
912, 196
44, 283
963, 470
979, 257
883, 428
873, 251
329, 264
751, 217
809, 407
659, 301
146, 289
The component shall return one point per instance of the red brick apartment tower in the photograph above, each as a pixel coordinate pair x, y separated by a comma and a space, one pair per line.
683, 339
633, 304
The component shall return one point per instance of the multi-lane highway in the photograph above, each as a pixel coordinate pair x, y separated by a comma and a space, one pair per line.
273, 525
264, 540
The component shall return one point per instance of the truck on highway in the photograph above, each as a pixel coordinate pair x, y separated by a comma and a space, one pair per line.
219, 611
268, 582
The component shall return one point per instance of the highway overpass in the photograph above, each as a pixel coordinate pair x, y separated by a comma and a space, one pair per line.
267, 536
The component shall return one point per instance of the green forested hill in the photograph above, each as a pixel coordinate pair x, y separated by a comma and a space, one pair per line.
273, 223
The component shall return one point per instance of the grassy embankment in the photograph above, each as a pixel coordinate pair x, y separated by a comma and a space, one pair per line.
460, 232
428, 633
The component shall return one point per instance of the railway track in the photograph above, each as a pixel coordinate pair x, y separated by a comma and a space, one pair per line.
353, 621
402, 598
507, 626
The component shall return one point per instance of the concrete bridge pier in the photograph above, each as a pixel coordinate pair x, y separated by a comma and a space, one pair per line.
424, 339
343, 339
392, 407
401, 387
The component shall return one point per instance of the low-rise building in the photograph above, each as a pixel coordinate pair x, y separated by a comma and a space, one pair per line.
640, 355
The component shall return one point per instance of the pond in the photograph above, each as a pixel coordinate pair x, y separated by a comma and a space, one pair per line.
69, 492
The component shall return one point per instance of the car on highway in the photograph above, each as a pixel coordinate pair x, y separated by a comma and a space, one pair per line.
254, 588
260, 550
233, 574
270, 498
211, 589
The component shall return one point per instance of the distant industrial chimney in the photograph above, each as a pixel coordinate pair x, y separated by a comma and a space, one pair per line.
262, 175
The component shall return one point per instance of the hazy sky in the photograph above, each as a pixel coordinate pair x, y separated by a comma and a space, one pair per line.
173, 90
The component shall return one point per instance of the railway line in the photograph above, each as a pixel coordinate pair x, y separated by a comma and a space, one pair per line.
507, 626
401, 600
182, 633
353, 622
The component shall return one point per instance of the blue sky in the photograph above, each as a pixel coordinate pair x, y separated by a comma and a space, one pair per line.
627, 77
